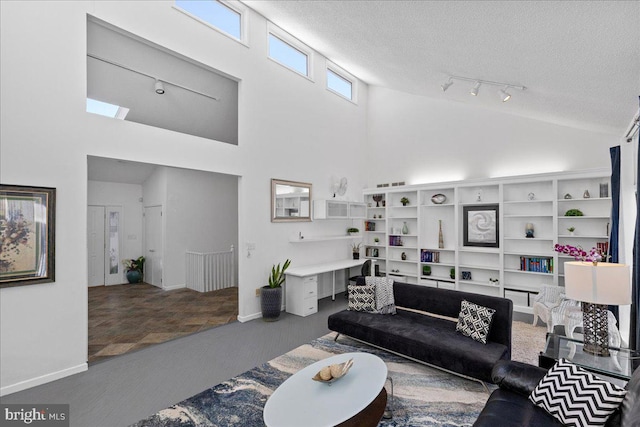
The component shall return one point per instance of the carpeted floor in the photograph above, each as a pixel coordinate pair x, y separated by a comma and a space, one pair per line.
424, 396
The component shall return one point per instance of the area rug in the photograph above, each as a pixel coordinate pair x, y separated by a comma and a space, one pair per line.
423, 396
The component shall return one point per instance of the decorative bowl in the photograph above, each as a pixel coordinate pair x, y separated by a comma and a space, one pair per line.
438, 199
334, 373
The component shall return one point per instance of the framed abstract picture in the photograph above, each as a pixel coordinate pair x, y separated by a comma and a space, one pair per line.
27, 235
481, 225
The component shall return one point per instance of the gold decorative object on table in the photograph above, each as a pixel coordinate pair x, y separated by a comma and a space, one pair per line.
334, 372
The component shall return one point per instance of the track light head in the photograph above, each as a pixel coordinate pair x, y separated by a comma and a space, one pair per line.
446, 84
504, 95
474, 90
159, 87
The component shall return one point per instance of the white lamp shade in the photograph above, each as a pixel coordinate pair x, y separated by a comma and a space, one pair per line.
606, 283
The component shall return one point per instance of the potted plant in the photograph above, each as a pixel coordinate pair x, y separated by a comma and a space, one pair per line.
404, 201
134, 269
355, 249
352, 230
426, 270
574, 212
271, 294
452, 273
571, 230
376, 240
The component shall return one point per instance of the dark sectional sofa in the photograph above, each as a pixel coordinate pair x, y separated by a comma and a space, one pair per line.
433, 340
509, 405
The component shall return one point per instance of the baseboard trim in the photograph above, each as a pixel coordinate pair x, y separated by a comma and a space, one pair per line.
171, 288
254, 316
23, 385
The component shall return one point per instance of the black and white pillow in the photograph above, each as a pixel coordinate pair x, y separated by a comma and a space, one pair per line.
474, 321
362, 298
576, 397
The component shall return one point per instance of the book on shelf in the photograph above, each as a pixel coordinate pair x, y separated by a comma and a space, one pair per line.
429, 256
536, 264
395, 241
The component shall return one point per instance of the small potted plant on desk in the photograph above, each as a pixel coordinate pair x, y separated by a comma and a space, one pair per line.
271, 294
355, 249
134, 269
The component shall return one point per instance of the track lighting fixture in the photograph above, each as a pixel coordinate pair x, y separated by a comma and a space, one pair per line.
504, 95
159, 87
474, 90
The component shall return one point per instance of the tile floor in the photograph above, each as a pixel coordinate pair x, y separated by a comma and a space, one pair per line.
124, 318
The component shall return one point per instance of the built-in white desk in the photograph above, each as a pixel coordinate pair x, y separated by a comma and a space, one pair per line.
301, 288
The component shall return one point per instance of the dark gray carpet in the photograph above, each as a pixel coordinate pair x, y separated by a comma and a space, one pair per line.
128, 388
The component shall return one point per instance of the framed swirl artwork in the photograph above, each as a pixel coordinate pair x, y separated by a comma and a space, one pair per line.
481, 225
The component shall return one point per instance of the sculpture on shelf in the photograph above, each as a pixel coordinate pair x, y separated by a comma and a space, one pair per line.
529, 230
440, 237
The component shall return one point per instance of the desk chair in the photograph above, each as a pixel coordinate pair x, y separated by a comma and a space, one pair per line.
364, 272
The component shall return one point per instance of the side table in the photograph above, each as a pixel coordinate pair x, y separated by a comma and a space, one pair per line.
620, 367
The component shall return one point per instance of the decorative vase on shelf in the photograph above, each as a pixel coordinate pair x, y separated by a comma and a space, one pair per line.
403, 256
440, 237
405, 228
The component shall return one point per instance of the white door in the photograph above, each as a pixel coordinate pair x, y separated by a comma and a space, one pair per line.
114, 270
153, 242
95, 245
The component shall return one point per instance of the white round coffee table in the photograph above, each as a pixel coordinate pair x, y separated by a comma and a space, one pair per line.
301, 401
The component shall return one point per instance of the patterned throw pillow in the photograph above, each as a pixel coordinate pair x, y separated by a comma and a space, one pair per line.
362, 298
474, 321
576, 397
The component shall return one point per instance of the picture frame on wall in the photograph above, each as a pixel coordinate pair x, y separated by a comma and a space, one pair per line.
481, 225
27, 235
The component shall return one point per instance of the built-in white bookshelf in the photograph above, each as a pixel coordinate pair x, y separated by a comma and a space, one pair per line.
433, 241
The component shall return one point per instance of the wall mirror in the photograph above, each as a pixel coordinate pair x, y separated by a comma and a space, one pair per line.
290, 201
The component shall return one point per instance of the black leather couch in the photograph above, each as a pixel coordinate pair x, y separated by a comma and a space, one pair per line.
432, 340
509, 406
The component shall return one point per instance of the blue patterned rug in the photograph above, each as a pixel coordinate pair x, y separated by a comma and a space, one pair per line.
423, 396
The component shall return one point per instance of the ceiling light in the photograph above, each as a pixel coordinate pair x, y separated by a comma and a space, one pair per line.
159, 87
446, 85
504, 95
474, 91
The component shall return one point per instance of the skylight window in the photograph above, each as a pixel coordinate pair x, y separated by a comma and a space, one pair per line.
339, 85
106, 109
215, 13
286, 54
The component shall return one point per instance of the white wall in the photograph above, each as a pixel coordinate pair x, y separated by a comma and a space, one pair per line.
290, 128
201, 216
128, 196
420, 140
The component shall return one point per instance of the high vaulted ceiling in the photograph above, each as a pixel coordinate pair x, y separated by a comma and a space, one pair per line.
579, 60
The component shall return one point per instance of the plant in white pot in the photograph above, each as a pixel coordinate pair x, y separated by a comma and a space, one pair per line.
271, 294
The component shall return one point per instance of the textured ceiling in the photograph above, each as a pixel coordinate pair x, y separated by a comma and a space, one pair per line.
580, 60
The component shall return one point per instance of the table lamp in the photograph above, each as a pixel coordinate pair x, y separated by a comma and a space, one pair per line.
596, 286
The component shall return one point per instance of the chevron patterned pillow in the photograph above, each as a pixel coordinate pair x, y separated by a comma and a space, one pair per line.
474, 321
362, 298
576, 397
